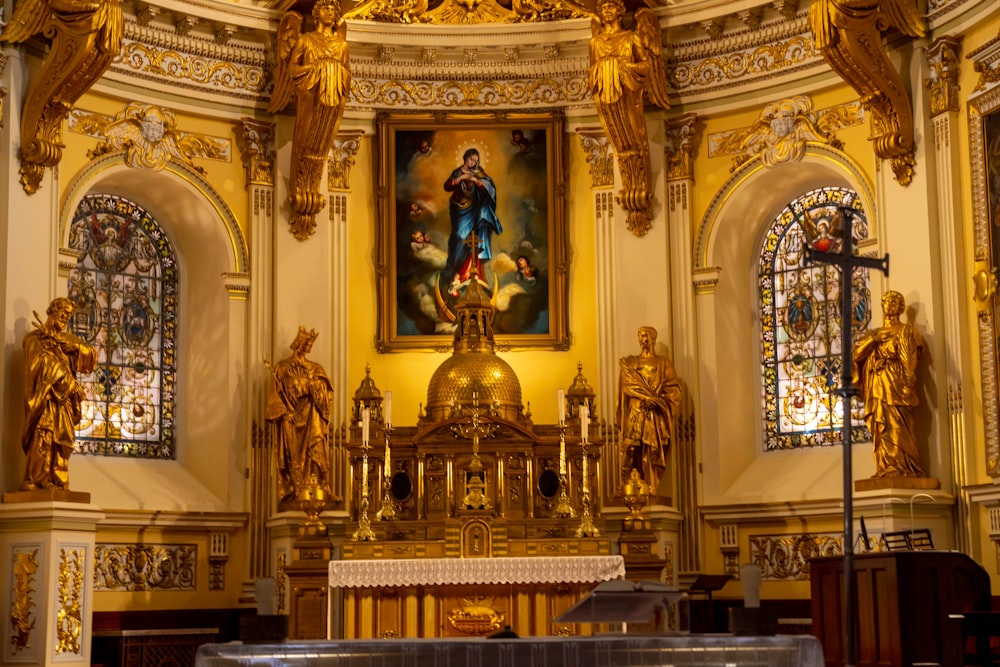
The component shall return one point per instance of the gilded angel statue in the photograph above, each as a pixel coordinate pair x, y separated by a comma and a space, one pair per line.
312, 70
845, 31
626, 69
86, 38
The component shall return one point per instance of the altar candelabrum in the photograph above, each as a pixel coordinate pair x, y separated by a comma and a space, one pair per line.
587, 527
563, 509
364, 533
388, 509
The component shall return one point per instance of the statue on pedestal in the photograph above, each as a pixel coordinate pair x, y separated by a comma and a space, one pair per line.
53, 396
648, 395
885, 372
299, 407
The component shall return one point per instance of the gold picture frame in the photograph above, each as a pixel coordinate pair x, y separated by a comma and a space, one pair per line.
984, 148
442, 176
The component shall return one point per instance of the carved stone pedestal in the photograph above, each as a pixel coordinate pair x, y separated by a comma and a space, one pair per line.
47, 553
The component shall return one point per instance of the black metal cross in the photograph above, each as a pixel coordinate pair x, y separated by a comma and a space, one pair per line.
847, 261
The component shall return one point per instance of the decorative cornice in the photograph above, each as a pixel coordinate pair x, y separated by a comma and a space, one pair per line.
546, 92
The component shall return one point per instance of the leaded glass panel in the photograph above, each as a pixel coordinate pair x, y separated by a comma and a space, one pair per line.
125, 290
801, 324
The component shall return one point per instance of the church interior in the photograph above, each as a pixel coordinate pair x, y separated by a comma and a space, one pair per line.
398, 319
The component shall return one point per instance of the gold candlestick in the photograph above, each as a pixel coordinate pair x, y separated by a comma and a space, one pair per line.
563, 509
364, 533
388, 509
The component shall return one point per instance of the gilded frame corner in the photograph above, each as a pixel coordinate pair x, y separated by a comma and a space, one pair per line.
523, 155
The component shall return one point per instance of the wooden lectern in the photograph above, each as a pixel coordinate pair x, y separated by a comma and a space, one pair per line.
904, 599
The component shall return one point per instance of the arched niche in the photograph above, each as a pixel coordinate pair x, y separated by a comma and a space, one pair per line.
727, 246
211, 252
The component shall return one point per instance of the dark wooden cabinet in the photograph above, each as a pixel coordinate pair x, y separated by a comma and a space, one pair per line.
903, 601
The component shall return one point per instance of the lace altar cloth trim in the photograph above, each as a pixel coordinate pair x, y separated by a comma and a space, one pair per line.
430, 571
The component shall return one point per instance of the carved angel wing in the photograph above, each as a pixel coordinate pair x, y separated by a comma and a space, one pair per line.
904, 16
124, 132
288, 33
647, 27
30, 17
193, 145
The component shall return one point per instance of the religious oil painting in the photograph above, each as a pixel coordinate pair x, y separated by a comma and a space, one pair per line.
984, 142
471, 197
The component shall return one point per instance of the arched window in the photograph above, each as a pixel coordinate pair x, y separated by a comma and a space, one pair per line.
125, 290
800, 320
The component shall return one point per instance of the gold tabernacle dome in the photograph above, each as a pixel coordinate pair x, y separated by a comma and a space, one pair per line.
474, 371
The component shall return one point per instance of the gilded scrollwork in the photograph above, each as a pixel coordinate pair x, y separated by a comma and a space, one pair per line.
849, 35
454, 94
782, 131
345, 147
757, 61
462, 12
786, 557
243, 79
148, 136
943, 69
86, 38
255, 139
145, 567
69, 617
600, 156
678, 147
22, 618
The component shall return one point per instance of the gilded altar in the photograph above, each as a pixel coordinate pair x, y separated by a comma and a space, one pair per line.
474, 487
464, 597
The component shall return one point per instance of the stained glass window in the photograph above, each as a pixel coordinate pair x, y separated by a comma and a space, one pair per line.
125, 290
800, 321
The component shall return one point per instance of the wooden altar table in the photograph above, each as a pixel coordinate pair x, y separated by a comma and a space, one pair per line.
462, 597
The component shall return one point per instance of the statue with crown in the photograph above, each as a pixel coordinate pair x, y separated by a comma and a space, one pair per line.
298, 408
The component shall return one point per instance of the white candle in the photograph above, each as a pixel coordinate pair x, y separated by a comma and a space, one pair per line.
584, 422
388, 408
365, 421
561, 400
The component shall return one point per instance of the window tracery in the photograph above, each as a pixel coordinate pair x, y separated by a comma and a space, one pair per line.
125, 290
800, 321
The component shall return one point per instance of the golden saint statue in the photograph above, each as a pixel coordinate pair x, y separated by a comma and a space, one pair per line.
86, 38
648, 395
53, 396
626, 68
885, 371
313, 70
299, 407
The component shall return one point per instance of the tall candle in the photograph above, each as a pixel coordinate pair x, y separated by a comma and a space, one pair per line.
366, 417
561, 400
562, 456
584, 422
388, 408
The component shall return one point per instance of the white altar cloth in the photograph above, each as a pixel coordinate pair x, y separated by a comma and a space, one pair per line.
439, 571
